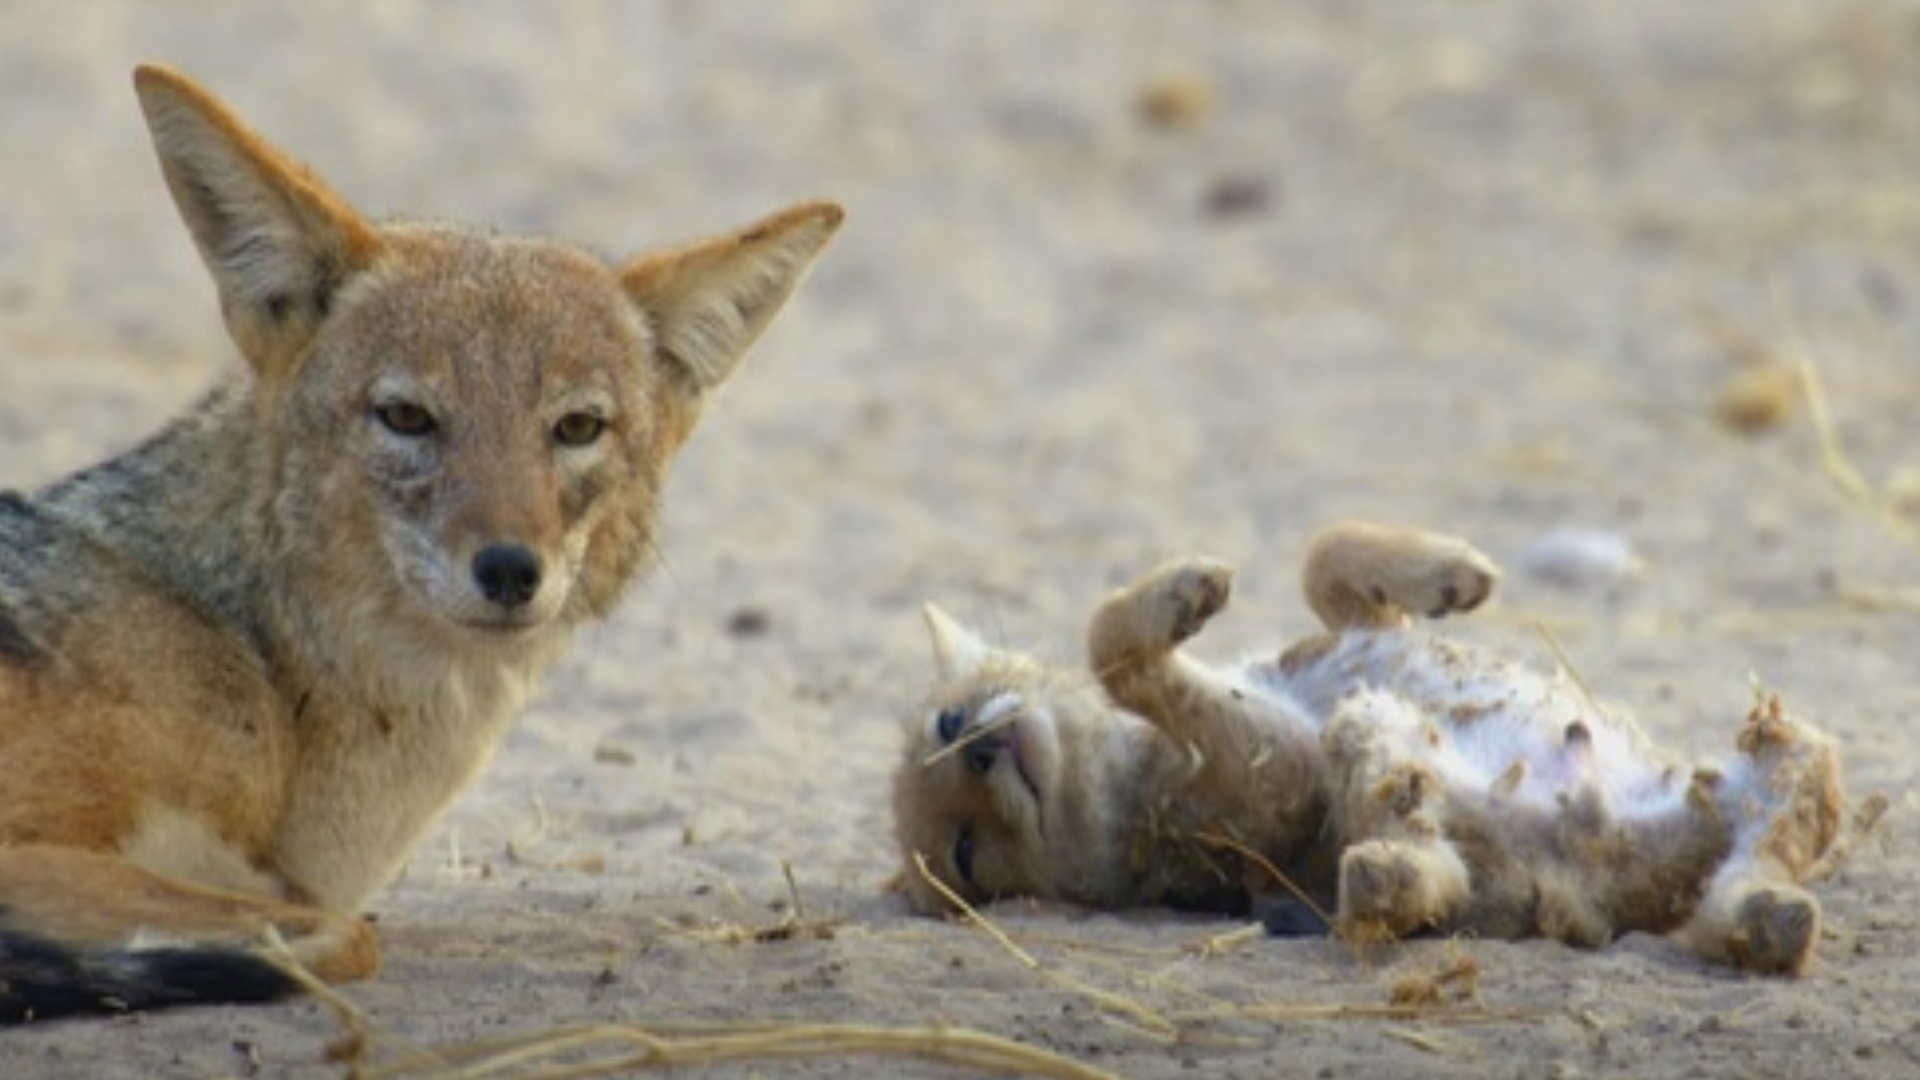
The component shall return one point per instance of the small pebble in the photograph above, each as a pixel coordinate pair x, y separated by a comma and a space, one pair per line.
749, 622
609, 754
1175, 102
1237, 196
1758, 398
1578, 557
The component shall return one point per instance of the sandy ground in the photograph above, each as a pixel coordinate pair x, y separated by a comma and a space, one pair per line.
1487, 267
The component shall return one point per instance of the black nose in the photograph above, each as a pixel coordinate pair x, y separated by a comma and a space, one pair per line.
508, 574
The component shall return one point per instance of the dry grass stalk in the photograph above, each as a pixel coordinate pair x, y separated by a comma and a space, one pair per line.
1448, 994
356, 1038
1430, 1042
793, 891
789, 927
793, 924
971, 916
1580, 683
1840, 467
567, 1053
1145, 1020
1245, 852
1763, 395
1457, 983
1163, 977
1302, 1012
610, 1049
1214, 945
972, 736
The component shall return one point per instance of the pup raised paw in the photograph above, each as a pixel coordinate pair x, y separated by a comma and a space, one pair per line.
1162, 609
1364, 575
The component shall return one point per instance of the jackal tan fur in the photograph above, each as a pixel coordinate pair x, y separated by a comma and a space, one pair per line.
244, 666
1405, 782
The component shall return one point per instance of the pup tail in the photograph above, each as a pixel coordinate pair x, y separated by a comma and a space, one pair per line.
42, 979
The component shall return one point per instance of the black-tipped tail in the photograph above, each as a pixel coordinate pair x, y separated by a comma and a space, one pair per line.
42, 979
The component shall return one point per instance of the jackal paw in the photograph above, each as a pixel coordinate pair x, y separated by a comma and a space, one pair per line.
336, 948
1174, 600
1389, 890
1775, 931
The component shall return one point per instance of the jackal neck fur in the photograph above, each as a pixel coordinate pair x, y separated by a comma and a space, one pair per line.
390, 714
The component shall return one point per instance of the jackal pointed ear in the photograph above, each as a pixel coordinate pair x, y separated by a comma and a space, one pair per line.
278, 243
709, 300
957, 651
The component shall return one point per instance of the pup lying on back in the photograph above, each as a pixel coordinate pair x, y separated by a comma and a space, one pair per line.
1405, 782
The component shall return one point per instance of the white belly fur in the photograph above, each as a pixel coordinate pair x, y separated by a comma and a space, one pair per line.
1484, 718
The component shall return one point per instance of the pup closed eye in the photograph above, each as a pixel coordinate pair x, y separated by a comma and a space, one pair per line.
963, 855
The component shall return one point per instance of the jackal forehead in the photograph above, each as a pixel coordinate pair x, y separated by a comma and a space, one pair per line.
533, 322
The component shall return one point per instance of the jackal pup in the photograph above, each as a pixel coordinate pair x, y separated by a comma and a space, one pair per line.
244, 666
1402, 782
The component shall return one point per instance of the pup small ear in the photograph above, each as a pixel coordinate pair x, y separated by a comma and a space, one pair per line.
957, 651
277, 241
709, 300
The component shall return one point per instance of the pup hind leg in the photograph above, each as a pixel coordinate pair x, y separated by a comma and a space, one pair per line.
1756, 918
1784, 790
1150, 618
1392, 888
1399, 874
1364, 576
1134, 643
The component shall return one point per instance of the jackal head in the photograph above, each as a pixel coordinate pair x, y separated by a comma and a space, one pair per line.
457, 432
1012, 781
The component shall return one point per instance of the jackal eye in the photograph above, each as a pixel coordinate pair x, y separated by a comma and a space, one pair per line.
963, 854
578, 429
406, 418
947, 725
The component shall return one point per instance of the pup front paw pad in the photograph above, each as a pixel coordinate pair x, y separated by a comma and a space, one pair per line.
1176, 600
1452, 578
